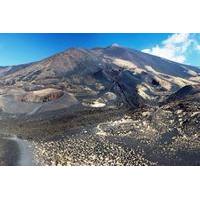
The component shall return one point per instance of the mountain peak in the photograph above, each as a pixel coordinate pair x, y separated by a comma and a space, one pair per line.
115, 45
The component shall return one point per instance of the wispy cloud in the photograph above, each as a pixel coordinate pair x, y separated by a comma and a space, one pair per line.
175, 47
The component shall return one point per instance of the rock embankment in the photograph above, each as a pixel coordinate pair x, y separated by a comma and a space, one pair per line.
43, 95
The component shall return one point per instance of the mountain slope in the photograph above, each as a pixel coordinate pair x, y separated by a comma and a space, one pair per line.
142, 60
92, 76
188, 91
104, 106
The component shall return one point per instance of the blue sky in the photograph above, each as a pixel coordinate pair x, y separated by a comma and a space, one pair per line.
23, 48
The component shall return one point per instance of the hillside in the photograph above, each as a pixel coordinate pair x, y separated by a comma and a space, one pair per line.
102, 106
108, 77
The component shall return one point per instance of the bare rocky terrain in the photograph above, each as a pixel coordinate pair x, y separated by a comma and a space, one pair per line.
103, 106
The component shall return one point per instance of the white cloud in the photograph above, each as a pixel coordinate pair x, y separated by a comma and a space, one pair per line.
177, 38
198, 47
173, 48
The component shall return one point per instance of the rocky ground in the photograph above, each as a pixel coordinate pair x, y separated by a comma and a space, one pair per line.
86, 150
165, 135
